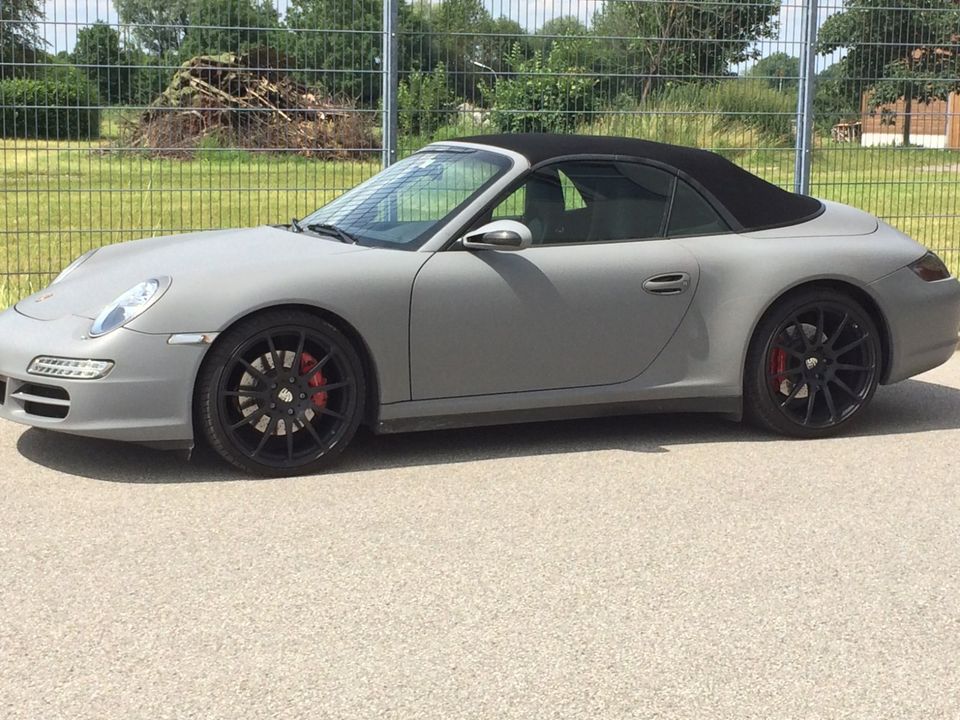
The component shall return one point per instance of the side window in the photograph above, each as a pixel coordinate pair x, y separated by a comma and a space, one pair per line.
572, 199
512, 207
621, 200
591, 201
692, 215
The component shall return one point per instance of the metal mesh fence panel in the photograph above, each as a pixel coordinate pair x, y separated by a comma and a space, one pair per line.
887, 109
133, 118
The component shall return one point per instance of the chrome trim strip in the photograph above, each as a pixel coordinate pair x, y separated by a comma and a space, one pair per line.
39, 399
192, 338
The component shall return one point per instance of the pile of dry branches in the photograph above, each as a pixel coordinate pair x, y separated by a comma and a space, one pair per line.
239, 101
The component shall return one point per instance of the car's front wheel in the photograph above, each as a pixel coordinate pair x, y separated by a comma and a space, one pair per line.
813, 365
281, 393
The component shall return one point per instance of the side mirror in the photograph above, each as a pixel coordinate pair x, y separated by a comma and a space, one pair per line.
499, 235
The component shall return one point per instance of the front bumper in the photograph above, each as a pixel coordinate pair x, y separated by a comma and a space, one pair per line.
147, 397
923, 319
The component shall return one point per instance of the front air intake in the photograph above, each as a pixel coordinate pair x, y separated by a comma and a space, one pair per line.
47, 401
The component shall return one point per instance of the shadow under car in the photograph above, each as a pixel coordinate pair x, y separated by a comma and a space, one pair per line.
912, 406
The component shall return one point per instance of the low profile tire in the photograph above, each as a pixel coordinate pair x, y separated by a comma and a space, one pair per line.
813, 365
281, 393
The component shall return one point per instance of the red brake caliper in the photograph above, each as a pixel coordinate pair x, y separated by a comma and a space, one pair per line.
307, 363
778, 363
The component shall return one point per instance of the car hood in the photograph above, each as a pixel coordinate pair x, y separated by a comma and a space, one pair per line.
202, 259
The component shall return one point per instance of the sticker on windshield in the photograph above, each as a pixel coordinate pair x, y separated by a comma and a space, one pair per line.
426, 161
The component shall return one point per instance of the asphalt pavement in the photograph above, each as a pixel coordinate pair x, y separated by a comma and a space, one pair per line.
672, 567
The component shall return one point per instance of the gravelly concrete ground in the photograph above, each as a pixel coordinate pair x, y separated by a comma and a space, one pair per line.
644, 567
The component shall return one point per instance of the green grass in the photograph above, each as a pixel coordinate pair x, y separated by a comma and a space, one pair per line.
62, 198
9, 294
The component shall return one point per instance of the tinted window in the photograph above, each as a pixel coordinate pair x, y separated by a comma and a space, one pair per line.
592, 201
572, 199
692, 215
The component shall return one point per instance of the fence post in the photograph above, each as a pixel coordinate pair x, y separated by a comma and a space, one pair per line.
805, 95
390, 78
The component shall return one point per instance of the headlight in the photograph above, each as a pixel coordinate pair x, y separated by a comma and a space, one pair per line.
74, 265
129, 305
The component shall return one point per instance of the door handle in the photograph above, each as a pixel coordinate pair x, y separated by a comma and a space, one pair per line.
667, 284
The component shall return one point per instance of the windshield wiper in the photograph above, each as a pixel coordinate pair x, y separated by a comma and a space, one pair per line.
328, 229
295, 224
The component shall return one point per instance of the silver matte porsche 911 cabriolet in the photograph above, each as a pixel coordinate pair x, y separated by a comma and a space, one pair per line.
485, 280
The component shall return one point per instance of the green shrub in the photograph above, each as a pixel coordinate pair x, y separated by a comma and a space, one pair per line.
735, 115
60, 108
540, 95
747, 103
62, 72
459, 124
425, 102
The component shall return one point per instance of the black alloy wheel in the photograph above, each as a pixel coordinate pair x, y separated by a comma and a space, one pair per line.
813, 366
281, 393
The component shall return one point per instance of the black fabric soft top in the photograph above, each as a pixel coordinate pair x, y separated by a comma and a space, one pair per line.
751, 202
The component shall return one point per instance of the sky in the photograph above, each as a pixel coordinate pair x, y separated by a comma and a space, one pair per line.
64, 17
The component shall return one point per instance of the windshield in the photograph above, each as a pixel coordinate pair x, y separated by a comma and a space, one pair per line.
403, 205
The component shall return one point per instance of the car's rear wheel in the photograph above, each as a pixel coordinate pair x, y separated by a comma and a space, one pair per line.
813, 365
281, 393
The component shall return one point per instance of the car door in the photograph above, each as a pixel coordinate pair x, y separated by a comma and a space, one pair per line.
592, 302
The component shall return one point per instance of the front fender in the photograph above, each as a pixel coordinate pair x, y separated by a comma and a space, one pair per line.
370, 291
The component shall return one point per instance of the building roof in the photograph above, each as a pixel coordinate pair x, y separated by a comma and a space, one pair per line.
751, 202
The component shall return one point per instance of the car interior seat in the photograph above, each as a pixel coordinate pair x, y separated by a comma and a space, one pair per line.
544, 206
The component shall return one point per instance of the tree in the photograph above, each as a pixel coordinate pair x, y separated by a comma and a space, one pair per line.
908, 50
556, 28
504, 35
833, 101
660, 40
158, 24
20, 41
564, 26
150, 79
104, 62
337, 44
463, 29
217, 26
779, 70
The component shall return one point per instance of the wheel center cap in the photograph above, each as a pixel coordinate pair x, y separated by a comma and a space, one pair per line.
811, 363
285, 395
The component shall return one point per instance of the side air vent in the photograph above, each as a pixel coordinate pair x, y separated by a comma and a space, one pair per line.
3, 389
46, 401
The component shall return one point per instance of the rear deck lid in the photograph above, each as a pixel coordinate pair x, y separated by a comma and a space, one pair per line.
836, 220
